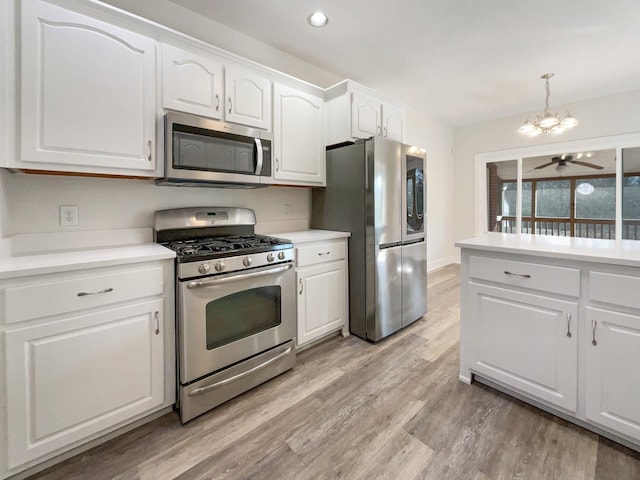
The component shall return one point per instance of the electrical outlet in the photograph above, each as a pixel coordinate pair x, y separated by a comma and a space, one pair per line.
68, 215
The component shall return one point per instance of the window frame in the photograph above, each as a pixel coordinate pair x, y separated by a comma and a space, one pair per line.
617, 142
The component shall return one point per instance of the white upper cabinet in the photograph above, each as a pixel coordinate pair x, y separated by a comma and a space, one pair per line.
365, 115
247, 98
393, 122
88, 96
354, 112
192, 82
299, 153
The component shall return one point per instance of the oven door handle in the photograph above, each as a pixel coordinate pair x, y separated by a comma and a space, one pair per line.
239, 376
241, 276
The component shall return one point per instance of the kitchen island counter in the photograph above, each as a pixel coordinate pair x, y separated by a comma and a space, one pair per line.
615, 252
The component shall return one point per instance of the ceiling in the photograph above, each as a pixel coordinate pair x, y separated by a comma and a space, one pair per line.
463, 61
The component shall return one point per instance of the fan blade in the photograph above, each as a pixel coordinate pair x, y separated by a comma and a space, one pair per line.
545, 165
585, 164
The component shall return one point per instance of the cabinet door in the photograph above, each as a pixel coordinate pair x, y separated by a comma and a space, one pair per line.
88, 94
365, 115
612, 374
393, 122
248, 98
322, 293
298, 137
71, 378
528, 342
192, 83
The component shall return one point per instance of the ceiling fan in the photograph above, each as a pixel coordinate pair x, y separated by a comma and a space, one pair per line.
562, 163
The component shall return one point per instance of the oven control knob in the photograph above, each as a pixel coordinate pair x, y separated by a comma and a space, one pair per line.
204, 268
270, 257
220, 266
246, 261
281, 255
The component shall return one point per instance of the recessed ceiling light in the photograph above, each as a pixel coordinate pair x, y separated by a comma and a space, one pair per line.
317, 19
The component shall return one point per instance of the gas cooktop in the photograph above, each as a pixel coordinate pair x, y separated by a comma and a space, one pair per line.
197, 249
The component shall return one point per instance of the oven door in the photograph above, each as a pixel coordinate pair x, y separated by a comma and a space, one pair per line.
227, 318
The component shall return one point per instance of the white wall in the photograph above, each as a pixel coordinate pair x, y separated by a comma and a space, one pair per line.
611, 115
437, 139
107, 203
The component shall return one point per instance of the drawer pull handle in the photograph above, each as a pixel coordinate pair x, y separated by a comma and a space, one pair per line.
301, 287
217, 102
325, 253
517, 274
84, 294
157, 315
229, 104
594, 324
568, 325
150, 145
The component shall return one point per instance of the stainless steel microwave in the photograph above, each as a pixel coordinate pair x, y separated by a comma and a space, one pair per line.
204, 152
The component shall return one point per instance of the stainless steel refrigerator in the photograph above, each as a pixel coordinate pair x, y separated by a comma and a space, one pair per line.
376, 190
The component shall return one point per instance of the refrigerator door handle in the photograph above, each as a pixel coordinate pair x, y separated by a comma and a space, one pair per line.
389, 245
411, 242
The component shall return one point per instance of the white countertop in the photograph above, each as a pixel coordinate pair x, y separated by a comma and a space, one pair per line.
618, 252
311, 235
26, 255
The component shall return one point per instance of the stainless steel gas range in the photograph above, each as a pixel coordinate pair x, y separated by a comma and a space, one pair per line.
235, 304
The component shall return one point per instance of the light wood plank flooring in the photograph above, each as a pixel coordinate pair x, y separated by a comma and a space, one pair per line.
354, 410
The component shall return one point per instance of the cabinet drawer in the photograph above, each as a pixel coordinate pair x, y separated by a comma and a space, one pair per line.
63, 293
615, 289
546, 278
320, 252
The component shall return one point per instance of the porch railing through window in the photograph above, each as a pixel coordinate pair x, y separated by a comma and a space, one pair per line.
578, 227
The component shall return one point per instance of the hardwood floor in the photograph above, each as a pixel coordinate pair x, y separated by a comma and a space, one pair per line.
354, 410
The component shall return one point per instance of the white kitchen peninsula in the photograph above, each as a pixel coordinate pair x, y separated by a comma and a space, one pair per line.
555, 321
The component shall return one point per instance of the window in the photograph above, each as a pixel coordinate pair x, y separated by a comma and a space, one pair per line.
573, 193
631, 194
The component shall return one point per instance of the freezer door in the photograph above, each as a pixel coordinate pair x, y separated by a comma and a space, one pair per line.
384, 156
414, 281
413, 193
387, 316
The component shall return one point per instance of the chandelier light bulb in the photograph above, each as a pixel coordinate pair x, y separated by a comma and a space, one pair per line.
548, 122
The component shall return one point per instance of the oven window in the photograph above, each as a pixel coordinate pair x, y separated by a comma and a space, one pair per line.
242, 314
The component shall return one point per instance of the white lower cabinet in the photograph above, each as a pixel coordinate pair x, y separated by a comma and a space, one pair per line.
563, 333
321, 296
73, 377
527, 342
611, 332
322, 289
101, 357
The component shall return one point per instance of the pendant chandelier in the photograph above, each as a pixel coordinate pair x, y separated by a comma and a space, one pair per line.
547, 122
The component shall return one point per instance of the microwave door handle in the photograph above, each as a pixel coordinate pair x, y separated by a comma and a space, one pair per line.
259, 157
